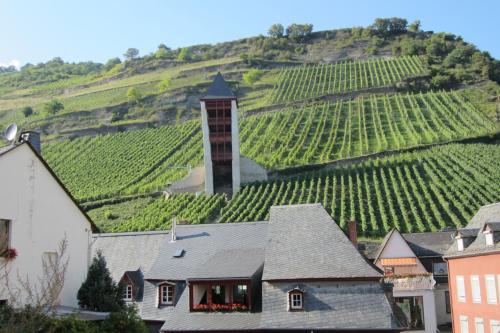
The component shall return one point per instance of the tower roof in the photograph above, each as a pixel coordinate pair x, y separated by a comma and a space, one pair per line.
219, 89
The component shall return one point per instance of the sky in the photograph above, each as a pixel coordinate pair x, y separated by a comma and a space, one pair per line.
97, 30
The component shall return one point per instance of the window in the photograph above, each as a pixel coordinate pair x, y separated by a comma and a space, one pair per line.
440, 268
495, 326
489, 238
464, 324
476, 289
479, 325
296, 300
491, 289
447, 301
461, 289
4, 235
127, 293
460, 244
166, 294
240, 294
218, 294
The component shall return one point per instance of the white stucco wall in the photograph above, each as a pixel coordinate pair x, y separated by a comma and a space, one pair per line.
440, 299
396, 247
41, 216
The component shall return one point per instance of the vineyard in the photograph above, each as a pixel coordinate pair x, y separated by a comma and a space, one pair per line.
296, 83
421, 191
331, 131
125, 163
159, 213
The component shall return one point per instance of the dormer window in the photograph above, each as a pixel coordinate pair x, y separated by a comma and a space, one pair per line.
128, 293
489, 238
296, 300
166, 294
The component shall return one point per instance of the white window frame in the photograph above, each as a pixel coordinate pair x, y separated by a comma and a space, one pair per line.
491, 289
464, 319
128, 293
460, 281
166, 294
479, 325
489, 238
299, 300
475, 284
495, 326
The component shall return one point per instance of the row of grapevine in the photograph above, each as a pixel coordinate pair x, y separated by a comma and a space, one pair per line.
159, 213
128, 162
415, 192
330, 131
296, 83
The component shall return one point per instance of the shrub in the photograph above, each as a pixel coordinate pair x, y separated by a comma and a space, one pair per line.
252, 76
53, 107
27, 111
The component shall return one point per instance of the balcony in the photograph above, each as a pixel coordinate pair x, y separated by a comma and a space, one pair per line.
411, 282
222, 156
220, 296
220, 137
219, 121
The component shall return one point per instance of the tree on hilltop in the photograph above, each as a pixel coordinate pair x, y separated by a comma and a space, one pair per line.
276, 30
298, 32
415, 26
131, 53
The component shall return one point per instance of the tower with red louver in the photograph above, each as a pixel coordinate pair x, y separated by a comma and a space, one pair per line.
221, 143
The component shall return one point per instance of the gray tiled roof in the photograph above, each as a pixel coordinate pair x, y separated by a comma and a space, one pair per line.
129, 251
305, 243
204, 241
328, 306
179, 318
429, 244
477, 243
219, 89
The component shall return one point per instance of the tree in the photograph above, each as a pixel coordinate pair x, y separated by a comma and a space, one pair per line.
381, 25
133, 94
164, 85
131, 53
276, 30
124, 320
414, 26
298, 32
53, 107
185, 55
252, 76
27, 111
112, 63
397, 25
99, 292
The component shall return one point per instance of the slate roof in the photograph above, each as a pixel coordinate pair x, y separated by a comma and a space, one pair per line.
207, 247
305, 243
429, 244
129, 251
219, 89
476, 244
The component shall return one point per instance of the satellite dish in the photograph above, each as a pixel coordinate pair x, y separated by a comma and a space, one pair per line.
10, 132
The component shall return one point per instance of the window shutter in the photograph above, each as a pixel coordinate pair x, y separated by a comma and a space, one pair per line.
491, 289
476, 289
479, 325
495, 326
464, 324
460, 289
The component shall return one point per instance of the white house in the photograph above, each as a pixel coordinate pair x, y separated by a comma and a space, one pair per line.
36, 214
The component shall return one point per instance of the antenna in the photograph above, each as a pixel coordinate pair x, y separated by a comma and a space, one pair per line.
10, 132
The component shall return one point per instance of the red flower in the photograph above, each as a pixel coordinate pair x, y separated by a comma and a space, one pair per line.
9, 254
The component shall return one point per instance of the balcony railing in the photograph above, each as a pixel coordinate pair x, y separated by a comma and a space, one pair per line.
411, 282
222, 156
219, 121
220, 137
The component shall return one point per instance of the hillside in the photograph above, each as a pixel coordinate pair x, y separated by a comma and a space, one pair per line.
379, 126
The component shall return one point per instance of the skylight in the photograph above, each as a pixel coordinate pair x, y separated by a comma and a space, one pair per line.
178, 253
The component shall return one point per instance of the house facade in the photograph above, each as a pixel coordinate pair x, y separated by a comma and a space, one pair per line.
413, 264
474, 273
297, 272
36, 214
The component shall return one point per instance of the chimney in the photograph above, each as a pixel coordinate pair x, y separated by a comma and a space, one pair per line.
174, 235
353, 232
33, 138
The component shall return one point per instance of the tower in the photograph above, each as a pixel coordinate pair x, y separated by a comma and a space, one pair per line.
221, 142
